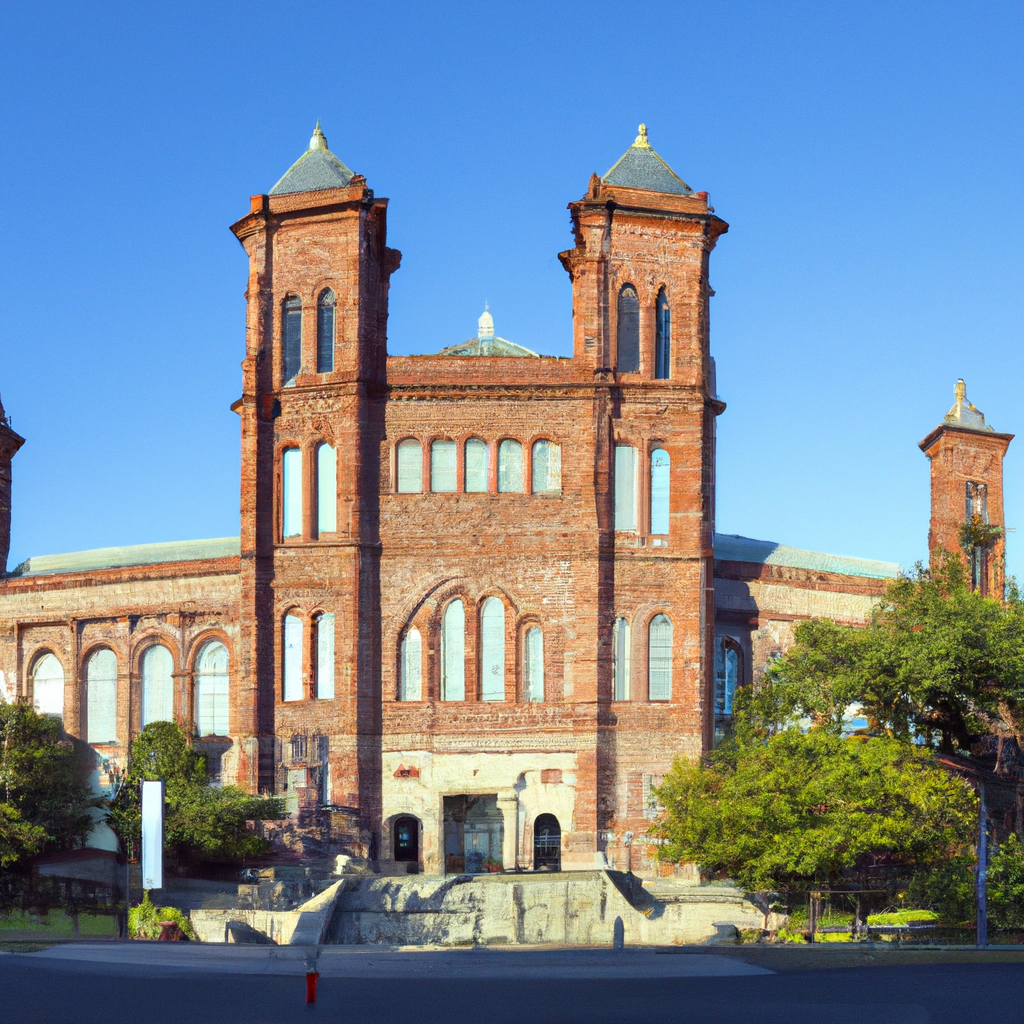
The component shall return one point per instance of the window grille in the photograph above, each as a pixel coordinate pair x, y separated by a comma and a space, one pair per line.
325, 331
298, 748
659, 655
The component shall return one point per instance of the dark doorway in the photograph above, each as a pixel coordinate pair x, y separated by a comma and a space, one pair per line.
547, 843
407, 839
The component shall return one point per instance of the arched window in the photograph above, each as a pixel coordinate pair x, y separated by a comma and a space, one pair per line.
659, 658
727, 675
477, 465
410, 467
492, 650
625, 487
325, 331
453, 652
157, 685
212, 689
620, 658
326, 489
101, 697
291, 492
291, 338
48, 686
547, 843
411, 669
292, 669
533, 663
510, 467
660, 481
324, 626
442, 466
407, 839
628, 333
663, 338
547, 467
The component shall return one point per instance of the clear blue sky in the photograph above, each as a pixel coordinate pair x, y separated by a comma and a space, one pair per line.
867, 156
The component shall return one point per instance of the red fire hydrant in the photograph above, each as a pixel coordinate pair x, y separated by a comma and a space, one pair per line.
311, 976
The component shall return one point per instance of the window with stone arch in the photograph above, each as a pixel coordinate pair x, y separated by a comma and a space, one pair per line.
628, 330
728, 677
477, 466
326, 488
547, 467
453, 652
291, 492
533, 665
492, 649
409, 469
48, 686
620, 659
325, 306
410, 668
291, 338
510, 467
661, 467
659, 658
101, 696
662, 338
212, 689
157, 671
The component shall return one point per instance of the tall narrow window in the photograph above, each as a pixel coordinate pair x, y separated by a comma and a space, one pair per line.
292, 658
621, 641
326, 489
477, 465
492, 650
101, 696
533, 661
510, 466
453, 652
291, 496
325, 331
660, 482
48, 686
547, 467
625, 487
325, 656
628, 333
410, 467
411, 683
663, 338
212, 689
157, 685
291, 338
728, 666
977, 501
442, 466
659, 658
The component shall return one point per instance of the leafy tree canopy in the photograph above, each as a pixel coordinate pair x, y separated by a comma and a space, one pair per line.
199, 819
45, 798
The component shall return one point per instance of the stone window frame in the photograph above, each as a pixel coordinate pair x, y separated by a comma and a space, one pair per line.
32, 661
153, 637
311, 652
86, 653
279, 339
648, 621
190, 663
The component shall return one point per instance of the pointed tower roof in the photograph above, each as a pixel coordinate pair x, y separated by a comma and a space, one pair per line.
963, 414
318, 168
641, 167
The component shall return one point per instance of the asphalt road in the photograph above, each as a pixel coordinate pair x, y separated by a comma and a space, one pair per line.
495, 987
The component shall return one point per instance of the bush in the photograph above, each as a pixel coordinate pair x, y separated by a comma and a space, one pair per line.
144, 920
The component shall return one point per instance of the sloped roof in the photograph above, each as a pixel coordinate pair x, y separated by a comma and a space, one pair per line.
641, 167
318, 168
732, 548
132, 554
487, 347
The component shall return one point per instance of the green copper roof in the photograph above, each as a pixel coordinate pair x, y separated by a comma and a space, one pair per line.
318, 168
641, 167
133, 554
731, 548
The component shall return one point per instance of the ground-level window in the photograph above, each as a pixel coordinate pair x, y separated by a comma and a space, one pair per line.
157, 685
101, 696
292, 669
407, 839
659, 658
212, 689
620, 658
48, 686
453, 652
533, 660
325, 655
492, 650
625, 487
547, 843
291, 492
411, 668
410, 467
510, 466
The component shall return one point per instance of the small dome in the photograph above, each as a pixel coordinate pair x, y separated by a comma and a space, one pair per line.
485, 325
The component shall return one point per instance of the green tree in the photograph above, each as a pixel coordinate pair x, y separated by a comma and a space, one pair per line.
802, 808
199, 819
45, 798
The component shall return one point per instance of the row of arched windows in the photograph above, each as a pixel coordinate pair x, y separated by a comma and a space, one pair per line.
323, 488
628, 333
659, 659
627, 489
156, 670
291, 334
468, 467
315, 661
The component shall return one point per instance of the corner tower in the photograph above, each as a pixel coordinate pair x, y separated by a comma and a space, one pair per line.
313, 377
966, 459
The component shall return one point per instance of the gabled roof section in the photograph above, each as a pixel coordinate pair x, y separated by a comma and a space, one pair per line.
318, 168
641, 167
488, 347
133, 554
732, 548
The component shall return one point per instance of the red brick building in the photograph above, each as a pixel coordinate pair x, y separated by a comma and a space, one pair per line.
478, 604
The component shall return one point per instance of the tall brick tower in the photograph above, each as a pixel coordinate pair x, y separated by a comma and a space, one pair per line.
311, 409
10, 442
967, 492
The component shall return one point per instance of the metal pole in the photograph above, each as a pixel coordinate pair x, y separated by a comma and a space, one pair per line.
982, 893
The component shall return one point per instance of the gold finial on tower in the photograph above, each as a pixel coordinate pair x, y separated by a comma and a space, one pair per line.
319, 141
641, 140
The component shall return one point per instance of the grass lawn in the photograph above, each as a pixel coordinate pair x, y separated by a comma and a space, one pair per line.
58, 925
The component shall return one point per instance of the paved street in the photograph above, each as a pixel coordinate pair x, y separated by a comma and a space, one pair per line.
144, 982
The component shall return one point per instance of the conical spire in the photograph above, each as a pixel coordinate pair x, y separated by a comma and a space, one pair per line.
319, 140
318, 168
641, 167
963, 414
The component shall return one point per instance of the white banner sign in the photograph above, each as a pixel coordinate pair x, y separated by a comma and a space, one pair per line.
152, 835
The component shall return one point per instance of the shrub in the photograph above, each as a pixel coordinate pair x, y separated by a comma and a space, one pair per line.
144, 920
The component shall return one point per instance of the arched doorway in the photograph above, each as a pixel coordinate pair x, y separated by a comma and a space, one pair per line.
547, 843
406, 832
